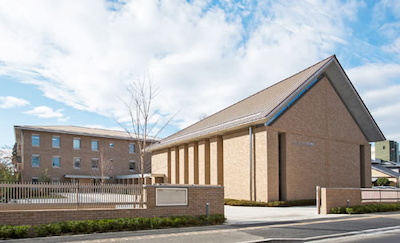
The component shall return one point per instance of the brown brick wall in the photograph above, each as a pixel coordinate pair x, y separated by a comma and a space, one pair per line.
322, 144
236, 165
198, 196
272, 166
159, 163
316, 142
119, 154
337, 197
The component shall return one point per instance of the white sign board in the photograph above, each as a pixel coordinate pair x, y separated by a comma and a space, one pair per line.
171, 197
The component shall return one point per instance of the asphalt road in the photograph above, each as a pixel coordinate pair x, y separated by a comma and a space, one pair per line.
347, 228
387, 236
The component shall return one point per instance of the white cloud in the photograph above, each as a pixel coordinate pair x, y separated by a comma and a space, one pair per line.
202, 57
393, 47
379, 88
7, 102
47, 112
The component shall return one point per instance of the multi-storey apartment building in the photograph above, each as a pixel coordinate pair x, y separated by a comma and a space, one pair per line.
387, 150
70, 153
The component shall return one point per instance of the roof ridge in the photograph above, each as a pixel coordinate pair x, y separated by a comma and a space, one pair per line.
72, 126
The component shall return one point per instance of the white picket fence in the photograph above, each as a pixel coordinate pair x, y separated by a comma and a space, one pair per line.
29, 196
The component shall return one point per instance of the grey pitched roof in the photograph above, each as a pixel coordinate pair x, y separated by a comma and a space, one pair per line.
385, 170
75, 130
267, 105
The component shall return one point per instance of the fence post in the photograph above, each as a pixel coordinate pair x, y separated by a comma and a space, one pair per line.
318, 199
77, 195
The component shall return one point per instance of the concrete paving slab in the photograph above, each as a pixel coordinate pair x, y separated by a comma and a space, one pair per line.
254, 215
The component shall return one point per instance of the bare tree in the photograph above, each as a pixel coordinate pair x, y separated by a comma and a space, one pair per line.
103, 167
7, 169
144, 126
202, 116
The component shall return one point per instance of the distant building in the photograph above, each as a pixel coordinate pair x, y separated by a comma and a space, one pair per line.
373, 152
387, 150
386, 169
72, 154
311, 129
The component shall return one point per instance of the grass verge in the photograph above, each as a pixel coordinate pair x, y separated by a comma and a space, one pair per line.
234, 202
106, 225
367, 208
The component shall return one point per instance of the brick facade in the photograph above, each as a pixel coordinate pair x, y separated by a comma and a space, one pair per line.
315, 142
113, 153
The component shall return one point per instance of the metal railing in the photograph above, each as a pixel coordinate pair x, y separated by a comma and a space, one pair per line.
380, 195
29, 196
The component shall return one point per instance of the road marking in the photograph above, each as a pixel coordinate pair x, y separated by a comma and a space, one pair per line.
326, 237
320, 221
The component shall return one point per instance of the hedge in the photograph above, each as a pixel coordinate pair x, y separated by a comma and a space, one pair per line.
106, 225
367, 208
234, 202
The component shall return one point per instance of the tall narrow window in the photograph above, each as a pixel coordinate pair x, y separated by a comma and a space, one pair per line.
77, 163
132, 165
77, 143
56, 161
95, 164
95, 145
56, 141
35, 160
35, 140
131, 148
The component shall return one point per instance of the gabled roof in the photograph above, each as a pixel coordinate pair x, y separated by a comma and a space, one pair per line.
267, 105
385, 170
75, 130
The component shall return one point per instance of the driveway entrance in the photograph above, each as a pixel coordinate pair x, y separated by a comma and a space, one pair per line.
254, 215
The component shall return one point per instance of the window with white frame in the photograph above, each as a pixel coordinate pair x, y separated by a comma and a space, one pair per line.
77, 143
56, 161
131, 148
35, 140
35, 180
77, 163
95, 163
111, 145
95, 145
35, 160
132, 165
56, 141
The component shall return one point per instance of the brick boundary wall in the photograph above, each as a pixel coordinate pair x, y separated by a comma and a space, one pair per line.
198, 196
328, 198
338, 197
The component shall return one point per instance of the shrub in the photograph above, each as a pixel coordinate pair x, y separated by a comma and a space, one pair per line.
106, 225
48, 229
338, 210
382, 181
367, 208
15, 232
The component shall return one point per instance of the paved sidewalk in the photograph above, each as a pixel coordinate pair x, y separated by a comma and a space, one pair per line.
255, 215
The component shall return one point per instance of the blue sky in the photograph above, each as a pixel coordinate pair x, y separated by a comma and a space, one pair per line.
68, 62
